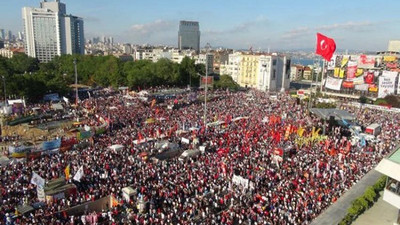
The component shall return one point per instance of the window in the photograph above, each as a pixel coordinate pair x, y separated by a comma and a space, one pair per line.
273, 74
274, 62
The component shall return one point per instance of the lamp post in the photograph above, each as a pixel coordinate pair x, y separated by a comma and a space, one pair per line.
5, 95
208, 46
76, 84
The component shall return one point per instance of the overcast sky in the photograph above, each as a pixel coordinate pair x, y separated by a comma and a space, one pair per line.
283, 25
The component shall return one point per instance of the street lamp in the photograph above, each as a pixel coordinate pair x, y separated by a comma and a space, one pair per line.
76, 84
208, 46
5, 95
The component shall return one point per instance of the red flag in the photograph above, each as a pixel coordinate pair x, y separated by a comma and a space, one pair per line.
140, 137
325, 46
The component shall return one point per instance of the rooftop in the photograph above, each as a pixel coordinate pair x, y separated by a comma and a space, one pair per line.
395, 156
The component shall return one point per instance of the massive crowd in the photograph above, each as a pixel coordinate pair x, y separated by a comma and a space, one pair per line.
291, 189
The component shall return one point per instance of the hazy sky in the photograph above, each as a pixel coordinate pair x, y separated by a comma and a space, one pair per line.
358, 25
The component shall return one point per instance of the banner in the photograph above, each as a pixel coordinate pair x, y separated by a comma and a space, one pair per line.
336, 72
358, 80
351, 70
386, 73
341, 73
79, 174
389, 58
359, 72
345, 59
332, 63
369, 77
37, 180
209, 80
50, 145
391, 65
348, 84
332, 83
239, 180
366, 61
361, 87
40, 194
386, 86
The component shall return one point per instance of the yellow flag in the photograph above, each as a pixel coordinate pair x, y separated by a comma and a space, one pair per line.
315, 133
300, 131
67, 172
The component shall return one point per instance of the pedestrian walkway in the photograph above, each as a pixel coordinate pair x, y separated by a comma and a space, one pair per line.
337, 211
381, 213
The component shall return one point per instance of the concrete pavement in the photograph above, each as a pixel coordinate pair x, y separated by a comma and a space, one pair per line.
338, 210
381, 213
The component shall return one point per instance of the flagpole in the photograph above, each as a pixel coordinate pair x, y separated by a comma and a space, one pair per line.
323, 73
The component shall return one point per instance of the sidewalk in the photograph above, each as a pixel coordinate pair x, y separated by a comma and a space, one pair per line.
381, 213
337, 211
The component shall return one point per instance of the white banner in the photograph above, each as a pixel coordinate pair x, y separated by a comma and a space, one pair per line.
239, 180
185, 140
389, 74
331, 64
361, 87
358, 80
79, 174
386, 86
333, 83
37, 180
40, 194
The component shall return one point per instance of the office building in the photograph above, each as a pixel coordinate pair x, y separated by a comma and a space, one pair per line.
50, 32
189, 35
2, 34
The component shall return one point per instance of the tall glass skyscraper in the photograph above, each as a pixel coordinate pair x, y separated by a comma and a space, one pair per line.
189, 35
49, 31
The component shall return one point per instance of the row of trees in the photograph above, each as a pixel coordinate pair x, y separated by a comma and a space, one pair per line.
25, 76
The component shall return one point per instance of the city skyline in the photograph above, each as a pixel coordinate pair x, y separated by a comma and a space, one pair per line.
362, 25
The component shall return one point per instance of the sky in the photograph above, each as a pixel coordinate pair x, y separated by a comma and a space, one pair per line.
363, 25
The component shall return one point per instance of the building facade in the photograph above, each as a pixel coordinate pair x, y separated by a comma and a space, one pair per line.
265, 72
189, 35
50, 32
206, 59
232, 66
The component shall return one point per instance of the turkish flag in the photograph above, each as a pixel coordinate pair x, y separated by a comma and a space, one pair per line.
325, 46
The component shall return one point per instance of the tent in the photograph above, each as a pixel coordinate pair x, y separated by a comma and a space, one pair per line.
337, 113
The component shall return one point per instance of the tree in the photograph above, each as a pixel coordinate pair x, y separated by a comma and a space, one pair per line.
186, 71
21, 63
226, 81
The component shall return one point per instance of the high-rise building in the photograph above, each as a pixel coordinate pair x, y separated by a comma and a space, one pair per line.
2, 34
49, 31
189, 35
9, 35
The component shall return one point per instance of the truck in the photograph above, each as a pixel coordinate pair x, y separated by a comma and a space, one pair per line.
373, 129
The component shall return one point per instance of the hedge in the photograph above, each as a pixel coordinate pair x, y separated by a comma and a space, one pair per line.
364, 202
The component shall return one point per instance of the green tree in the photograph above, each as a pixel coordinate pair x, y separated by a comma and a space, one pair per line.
226, 81
21, 63
186, 71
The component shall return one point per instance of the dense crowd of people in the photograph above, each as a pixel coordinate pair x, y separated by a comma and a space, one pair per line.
281, 188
